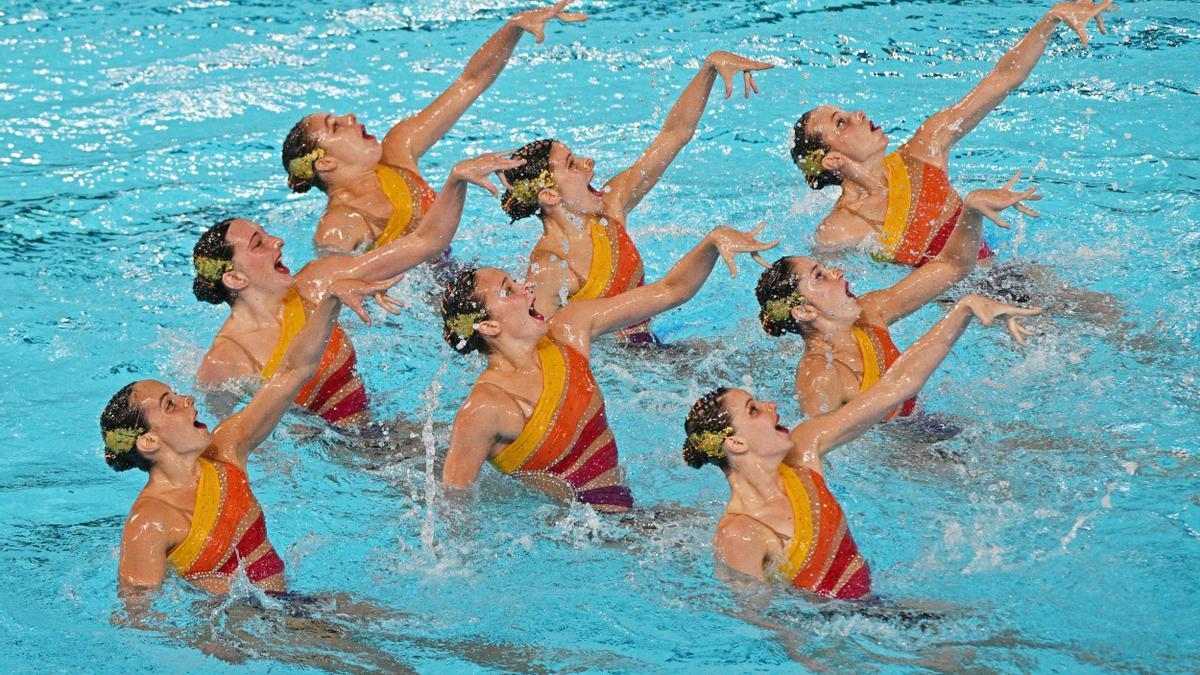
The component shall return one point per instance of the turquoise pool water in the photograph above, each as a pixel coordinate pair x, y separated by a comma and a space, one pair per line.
1060, 531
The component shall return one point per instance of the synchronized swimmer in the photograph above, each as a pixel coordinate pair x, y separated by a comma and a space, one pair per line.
536, 411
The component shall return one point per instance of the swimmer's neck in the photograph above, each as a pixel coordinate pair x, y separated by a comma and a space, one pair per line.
832, 334
174, 470
257, 308
514, 355
352, 184
560, 223
867, 179
754, 482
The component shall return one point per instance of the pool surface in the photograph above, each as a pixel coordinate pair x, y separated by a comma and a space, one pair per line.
1060, 531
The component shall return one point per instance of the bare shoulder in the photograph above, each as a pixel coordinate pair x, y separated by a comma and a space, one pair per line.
342, 229
842, 229
738, 528
225, 359
490, 406
153, 520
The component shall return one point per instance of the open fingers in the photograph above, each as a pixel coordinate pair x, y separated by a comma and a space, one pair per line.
760, 260
757, 228
384, 284
356, 305
728, 84
1026, 210
1012, 181
571, 17
746, 82
485, 184
753, 84
1014, 329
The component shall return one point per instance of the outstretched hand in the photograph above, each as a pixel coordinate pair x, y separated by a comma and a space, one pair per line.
988, 310
478, 169
533, 21
352, 291
1078, 14
731, 242
989, 203
728, 65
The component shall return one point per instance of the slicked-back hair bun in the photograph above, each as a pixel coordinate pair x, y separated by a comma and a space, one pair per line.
212, 248
537, 160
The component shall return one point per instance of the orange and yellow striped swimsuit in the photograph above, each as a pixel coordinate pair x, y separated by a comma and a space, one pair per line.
336, 393
878, 354
821, 556
404, 208
567, 448
922, 211
616, 268
228, 531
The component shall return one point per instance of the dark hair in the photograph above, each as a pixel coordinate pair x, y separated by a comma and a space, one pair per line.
212, 246
708, 414
300, 142
537, 160
777, 283
121, 414
460, 300
804, 143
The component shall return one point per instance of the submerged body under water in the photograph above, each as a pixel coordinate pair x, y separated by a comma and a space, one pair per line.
1057, 530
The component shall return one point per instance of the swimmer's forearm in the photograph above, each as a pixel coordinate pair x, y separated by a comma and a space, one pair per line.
905, 378
441, 223
962, 248
684, 280
303, 357
1017, 63
487, 63
677, 131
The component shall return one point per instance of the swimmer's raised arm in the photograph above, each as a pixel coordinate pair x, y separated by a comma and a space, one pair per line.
605, 315
411, 138
237, 436
957, 259
627, 188
939, 133
903, 380
432, 236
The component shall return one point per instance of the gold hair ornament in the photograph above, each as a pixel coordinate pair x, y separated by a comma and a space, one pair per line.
711, 443
526, 190
211, 269
122, 439
303, 167
463, 325
779, 308
810, 164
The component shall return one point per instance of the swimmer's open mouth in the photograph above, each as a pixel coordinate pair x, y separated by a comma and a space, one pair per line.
779, 427
594, 191
874, 127
534, 313
365, 135
848, 293
280, 267
197, 423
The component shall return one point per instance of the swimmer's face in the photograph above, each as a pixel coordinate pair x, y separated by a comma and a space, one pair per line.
172, 418
573, 180
509, 306
826, 289
756, 426
257, 258
345, 141
849, 133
